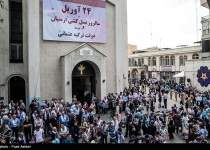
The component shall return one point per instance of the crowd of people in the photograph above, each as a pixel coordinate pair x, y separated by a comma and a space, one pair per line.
133, 116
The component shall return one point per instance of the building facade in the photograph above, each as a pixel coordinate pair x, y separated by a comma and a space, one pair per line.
32, 67
200, 69
165, 62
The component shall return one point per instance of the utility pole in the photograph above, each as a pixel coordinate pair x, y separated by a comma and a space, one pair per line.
196, 9
151, 33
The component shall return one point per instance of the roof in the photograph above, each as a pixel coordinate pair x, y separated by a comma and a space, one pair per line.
183, 46
165, 48
81, 46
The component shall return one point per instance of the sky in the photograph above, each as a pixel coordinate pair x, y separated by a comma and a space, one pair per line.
171, 22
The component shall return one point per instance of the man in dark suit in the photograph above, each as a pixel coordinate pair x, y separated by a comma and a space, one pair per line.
177, 121
151, 129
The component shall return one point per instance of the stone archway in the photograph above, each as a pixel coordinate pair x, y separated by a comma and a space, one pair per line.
143, 76
95, 58
84, 79
8, 88
134, 73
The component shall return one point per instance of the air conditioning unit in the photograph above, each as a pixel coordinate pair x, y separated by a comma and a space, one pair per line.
16, 51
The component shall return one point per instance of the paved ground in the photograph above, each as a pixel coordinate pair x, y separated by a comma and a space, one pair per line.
177, 137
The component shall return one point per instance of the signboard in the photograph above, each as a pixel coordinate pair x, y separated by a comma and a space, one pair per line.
154, 75
86, 51
166, 68
74, 20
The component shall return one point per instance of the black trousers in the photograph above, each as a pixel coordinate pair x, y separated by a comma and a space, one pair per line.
104, 139
165, 103
15, 131
171, 136
27, 135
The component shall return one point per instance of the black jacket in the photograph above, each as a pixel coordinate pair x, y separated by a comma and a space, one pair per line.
151, 130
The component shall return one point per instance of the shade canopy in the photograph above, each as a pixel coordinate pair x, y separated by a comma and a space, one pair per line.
181, 74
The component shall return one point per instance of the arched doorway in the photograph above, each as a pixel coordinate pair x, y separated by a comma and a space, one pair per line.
143, 75
17, 89
134, 73
83, 79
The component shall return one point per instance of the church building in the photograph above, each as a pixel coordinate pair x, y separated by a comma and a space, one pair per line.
61, 48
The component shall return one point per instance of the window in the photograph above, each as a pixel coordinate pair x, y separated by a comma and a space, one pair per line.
185, 59
154, 61
133, 62
149, 61
139, 62
205, 28
142, 61
172, 60
181, 60
162, 61
130, 62
195, 56
16, 34
206, 46
167, 60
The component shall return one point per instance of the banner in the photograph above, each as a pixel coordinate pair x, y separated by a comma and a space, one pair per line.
166, 68
154, 75
74, 20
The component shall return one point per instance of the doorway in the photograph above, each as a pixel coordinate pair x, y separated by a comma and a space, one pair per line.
83, 79
17, 89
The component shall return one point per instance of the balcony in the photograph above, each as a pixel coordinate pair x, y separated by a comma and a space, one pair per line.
204, 3
16, 53
205, 18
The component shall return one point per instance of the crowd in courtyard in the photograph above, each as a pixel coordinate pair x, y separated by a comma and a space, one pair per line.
61, 122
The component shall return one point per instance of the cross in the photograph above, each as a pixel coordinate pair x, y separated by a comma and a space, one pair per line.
81, 68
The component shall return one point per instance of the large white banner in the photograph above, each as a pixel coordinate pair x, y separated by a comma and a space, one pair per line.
74, 20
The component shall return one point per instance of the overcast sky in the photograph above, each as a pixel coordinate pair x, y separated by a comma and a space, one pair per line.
173, 22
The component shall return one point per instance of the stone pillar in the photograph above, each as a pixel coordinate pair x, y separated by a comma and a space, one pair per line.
33, 38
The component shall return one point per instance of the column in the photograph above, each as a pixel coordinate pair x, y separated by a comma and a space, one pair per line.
33, 26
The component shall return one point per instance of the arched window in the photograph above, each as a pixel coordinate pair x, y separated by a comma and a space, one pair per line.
181, 60
154, 61
149, 61
133, 62
185, 59
167, 60
162, 61
139, 62
195, 56
172, 60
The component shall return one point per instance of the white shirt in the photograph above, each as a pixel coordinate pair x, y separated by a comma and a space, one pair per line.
38, 135
116, 123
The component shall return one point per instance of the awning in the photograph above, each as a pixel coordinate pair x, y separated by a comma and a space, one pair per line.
181, 74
